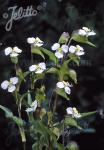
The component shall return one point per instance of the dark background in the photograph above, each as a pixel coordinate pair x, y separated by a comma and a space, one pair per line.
55, 17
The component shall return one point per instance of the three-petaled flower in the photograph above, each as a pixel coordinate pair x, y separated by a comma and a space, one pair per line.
77, 50
32, 107
64, 85
73, 112
35, 41
13, 52
39, 68
86, 32
10, 85
60, 50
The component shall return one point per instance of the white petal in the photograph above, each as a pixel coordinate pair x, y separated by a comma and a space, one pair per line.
82, 32
64, 48
17, 50
31, 40
79, 47
38, 40
32, 68
8, 50
14, 80
69, 111
11, 88
42, 65
91, 33
4, 84
86, 29
59, 55
39, 71
38, 44
29, 110
60, 85
13, 54
79, 53
55, 46
34, 104
72, 49
67, 90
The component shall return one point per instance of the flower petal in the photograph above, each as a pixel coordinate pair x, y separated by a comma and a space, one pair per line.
59, 55
14, 80
42, 65
72, 49
31, 40
29, 110
17, 50
4, 84
39, 70
55, 46
91, 33
67, 90
64, 48
11, 88
82, 32
34, 104
32, 68
69, 110
79, 53
60, 85
8, 50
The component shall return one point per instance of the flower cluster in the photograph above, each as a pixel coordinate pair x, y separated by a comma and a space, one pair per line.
64, 85
60, 50
38, 68
77, 50
35, 41
73, 112
13, 52
10, 85
86, 32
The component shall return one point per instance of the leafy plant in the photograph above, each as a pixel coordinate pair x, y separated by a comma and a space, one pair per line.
43, 123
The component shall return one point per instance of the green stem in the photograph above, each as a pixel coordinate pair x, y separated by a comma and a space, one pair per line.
55, 104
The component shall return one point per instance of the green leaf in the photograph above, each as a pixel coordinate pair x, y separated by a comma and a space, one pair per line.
82, 39
72, 146
37, 50
14, 60
50, 54
8, 112
64, 38
62, 93
74, 58
73, 75
71, 122
53, 70
40, 95
83, 115
29, 98
18, 121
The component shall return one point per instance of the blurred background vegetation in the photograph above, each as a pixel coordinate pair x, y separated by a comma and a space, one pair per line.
53, 18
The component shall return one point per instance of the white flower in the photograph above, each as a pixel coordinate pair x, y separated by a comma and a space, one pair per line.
13, 52
78, 50
35, 41
86, 32
32, 107
59, 50
38, 68
73, 112
64, 85
10, 85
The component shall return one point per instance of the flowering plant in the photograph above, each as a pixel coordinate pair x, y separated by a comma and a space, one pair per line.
43, 123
